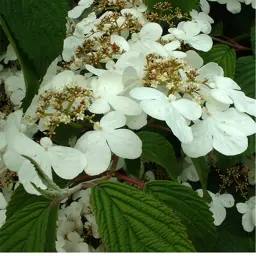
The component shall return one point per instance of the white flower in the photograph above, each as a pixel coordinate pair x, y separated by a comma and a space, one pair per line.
78, 10
136, 122
175, 112
228, 92
107, 137
145, 40
189, 172
193, 59
15, 88
189, 33
218, 205
66, 162
203, 20
69, 48
10, 54
205, 7
248, 209
3, 205
85, 26
252, 2
222, 129
92, 225
106, 90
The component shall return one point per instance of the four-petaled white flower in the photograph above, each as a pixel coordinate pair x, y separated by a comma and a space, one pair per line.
222, 128
248, 209
218, 205
108, 138
107, 89
175, 112
66, 162
203, 20
189, 32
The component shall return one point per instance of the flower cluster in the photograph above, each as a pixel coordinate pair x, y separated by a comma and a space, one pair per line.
117, 71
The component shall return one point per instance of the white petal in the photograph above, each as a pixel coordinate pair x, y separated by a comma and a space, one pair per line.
67, 162
194, 59
3, 202
247, 222
202, 141
76, 12
209, 71
151, 31
201, 42
12, 160
205, 6
234, 6
250, 107
95, 71
146, 94
219, 212
113, 120
125, 105
110, 83
120, 41
227, 200
99, 106
136, 122
228, 140
242, 207
155, 108
124, 143
238, 120
226, 83
191, 28
178, 125
221, 96
94, 146
189, 109
239, 99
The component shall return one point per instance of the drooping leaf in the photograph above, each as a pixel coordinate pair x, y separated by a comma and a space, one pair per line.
25, 231
224, 56
245, 75
131, 221
157, 149
190, 208
34, 27
19, 201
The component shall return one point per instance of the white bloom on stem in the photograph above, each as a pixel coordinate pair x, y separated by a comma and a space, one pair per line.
248, 209
222, 129
107, 89
145, 40
189, 32
15, 88
108, 138
3, 205
227, 91
218, 205
79, 9
175, 112
203, 20
66, 162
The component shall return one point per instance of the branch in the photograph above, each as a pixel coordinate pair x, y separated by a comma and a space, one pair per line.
232, 43
133, 181
161, 127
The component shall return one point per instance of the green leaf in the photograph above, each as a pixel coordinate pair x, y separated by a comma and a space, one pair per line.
253, 44
133, 166
26, 230
34, 27
190, 208
202, 170
19, 201
245, 75
225, 162
228, 242
157, 149
222, 55
132, 221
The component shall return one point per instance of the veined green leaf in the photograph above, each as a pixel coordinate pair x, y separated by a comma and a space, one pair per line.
132, 221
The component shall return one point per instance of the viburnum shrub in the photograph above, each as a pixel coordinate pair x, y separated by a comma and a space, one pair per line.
127, 126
